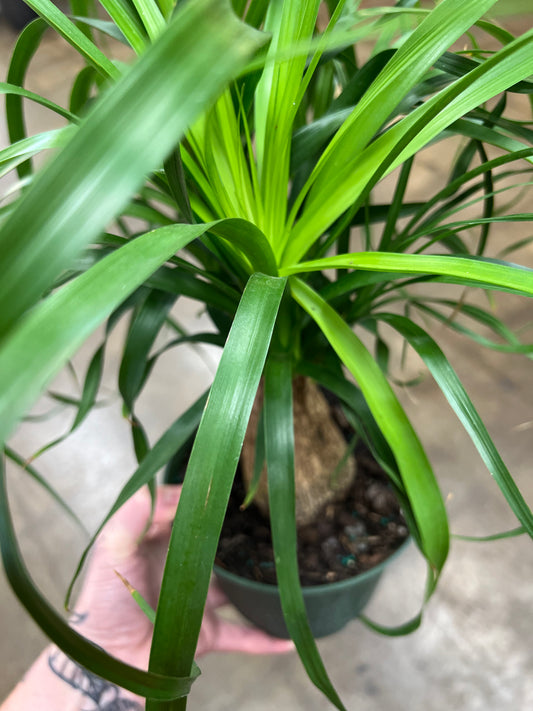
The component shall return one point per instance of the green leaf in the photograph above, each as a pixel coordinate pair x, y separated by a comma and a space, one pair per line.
72, 643
491, 136
458, 66
177, 435
141, 446
74, 36
512, 344
259, 463
475, 222
453, 390
474, 269
250, 241
128, 133
179, 282
352, 281
417, 477
209, 479
414, 623
276, 95
150, 16
20, 151
493, 537
11, 89
105, 26
452, 187
144, 605
147, 320
48, 335
395, 206
25, 48
440, 28
176, 182
82, 8
227, 169
212, 339
311, 137
346, 182
167, 8
279, 444
31, 471
87, 400
256, 12
80, 94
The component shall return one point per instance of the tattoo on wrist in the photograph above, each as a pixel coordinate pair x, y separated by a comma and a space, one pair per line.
104, 695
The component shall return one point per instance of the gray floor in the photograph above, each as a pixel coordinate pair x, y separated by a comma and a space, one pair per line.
473, 652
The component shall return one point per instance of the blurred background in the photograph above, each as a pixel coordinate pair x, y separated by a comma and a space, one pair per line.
473, 651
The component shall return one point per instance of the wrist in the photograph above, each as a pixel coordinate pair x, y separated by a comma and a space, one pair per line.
56, 682
89, 687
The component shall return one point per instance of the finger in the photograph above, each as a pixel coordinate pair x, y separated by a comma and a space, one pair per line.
123, 531
233, 637
166, 505
215, 597
124, 528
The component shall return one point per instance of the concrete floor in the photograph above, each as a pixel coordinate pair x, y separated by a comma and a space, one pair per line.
474, 650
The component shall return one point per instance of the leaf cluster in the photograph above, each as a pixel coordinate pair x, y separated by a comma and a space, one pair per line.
241, 160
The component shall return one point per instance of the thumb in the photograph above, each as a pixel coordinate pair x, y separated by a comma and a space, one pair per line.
232, 637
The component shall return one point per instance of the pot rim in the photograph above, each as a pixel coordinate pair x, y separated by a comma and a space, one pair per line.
312, 590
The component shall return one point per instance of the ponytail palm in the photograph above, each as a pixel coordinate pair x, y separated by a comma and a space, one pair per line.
250, 139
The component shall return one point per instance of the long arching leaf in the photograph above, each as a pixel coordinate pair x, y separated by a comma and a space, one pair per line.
208, 481
485, 272
71, 642
453, 390
279, 444
417, 476
44, 340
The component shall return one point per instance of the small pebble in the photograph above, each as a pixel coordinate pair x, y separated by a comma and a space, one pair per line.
348, 561
381, 499
355, 530
330, 546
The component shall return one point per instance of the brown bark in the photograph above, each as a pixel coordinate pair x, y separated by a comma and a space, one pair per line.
318, 448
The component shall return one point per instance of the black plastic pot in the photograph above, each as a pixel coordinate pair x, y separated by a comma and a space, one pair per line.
329, 607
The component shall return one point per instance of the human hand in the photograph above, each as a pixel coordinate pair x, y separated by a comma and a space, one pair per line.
109, 616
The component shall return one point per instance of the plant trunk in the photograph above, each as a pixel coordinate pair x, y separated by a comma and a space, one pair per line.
323, 471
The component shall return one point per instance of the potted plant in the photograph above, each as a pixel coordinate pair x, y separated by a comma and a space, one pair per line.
263, 139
